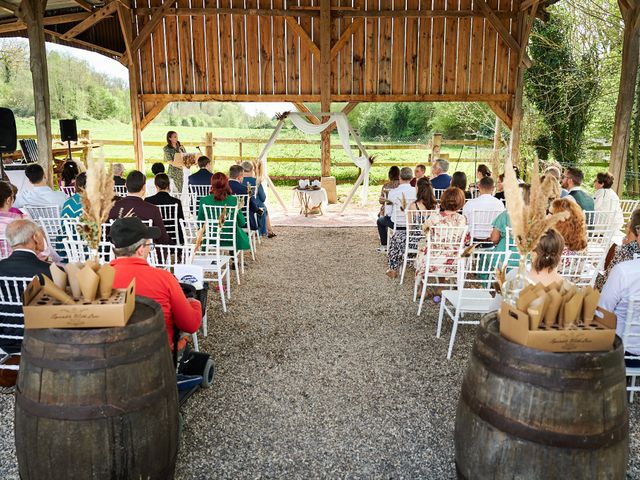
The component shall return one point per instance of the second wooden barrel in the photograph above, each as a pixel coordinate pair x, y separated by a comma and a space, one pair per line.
98, 403
528, 414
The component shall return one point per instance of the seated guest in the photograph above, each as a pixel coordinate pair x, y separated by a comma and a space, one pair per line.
132, 241
439, 177
485, 202
69, 174
573, 229
606, 200
571, 180
500, 187
40, 194
134, 204
502, 222
393, 180
264, 221
27, 242
163, 197
221, 196
236, 174
202, 176
625, 252
118, 170
419, 172
72, 208
555, 172
459, 179
546, 258
157, 168
6, 215
399, 198
482, 172
622, 284
451, 203
13, 209
425, 200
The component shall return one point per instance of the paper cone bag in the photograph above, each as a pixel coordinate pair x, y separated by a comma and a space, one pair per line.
95, 266
73, 269
573, 309
589, 305
107, 274
536, 311
50, 288
551, 315
89, 281
58, 276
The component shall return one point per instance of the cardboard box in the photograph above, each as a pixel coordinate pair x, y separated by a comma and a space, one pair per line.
41, 311
598, 336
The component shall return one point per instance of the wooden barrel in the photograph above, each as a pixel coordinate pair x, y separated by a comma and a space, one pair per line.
528, 414
98, 403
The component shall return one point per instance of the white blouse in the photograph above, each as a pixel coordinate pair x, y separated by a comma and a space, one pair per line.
607, 200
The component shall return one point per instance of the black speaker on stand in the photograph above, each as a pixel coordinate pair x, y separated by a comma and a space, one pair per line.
8, 136
68, 133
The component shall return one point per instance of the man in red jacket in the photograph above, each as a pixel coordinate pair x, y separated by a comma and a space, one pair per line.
132, 241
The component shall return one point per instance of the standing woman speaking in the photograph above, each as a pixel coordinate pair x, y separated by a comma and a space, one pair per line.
172, 147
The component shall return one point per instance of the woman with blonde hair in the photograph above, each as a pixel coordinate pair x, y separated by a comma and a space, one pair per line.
573, 229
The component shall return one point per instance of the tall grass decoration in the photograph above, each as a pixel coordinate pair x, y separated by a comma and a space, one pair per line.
97, 201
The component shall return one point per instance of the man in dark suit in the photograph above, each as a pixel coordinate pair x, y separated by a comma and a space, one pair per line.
164, 198
27, 241
134, 203
202, 176
236, 173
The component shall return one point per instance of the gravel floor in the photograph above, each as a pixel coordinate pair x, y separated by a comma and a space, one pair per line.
323, 370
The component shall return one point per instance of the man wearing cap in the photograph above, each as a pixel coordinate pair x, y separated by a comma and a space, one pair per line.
132, 241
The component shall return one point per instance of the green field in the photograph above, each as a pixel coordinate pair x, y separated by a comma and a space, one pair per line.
112, 130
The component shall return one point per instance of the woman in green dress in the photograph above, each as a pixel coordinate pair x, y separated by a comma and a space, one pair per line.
172, 147
221, 196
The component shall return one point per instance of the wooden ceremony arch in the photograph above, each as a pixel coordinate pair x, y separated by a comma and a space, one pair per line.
305, 51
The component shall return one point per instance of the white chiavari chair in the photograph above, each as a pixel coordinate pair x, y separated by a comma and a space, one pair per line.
474, 291
581, 268
120, 190
68, 191
631, 335
79, 251
628, 207
5, 249
481, 224
227, 234
415, 221
437, 192
196, 192
444, 246
599, 219
169, 215
167, 257
243, 204
12, 317
209, 256
42, 211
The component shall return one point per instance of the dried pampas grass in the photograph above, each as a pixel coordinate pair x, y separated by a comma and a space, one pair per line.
97, 200
530, 223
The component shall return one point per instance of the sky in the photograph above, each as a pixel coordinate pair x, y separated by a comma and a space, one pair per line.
113, 68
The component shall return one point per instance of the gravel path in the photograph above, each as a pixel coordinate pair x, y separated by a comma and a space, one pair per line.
324, 371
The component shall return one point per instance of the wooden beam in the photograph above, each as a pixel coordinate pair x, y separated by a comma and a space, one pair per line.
325, 83
150, 26
86, 45
84, 4
301, 107
18, 25
498, 26
151, 114
348, 108
501, 114
526, 31
624, 106
9, 7
90, 21
336, 13
124, 19
304, 36
346, 35
31, 12
206, 97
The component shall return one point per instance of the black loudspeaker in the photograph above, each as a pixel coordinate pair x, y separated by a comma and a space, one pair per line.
8, 135
68, 131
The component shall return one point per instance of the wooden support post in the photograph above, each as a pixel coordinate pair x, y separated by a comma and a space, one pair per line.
497, 143
624, 107
208, 146
325, 82
86, 150
31, 12
436, 145
136, 118
240, 151
516, 120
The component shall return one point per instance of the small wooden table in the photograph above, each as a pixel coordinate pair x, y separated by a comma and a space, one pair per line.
310, 200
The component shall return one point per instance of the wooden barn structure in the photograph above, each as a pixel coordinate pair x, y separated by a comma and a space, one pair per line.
301, 51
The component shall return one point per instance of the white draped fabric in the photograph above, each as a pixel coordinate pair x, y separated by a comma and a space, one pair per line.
344, 131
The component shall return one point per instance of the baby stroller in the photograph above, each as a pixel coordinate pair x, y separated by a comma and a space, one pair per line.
194, 370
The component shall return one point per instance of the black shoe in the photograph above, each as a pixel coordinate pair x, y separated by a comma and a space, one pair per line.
260, 212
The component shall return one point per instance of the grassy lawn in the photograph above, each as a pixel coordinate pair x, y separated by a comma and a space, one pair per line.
112, 130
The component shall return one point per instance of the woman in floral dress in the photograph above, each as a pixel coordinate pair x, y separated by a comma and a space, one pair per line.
451, 202
172, 147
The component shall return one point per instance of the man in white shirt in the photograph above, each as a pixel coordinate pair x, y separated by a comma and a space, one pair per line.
480, 223
623, 282
399, 200
40, 193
